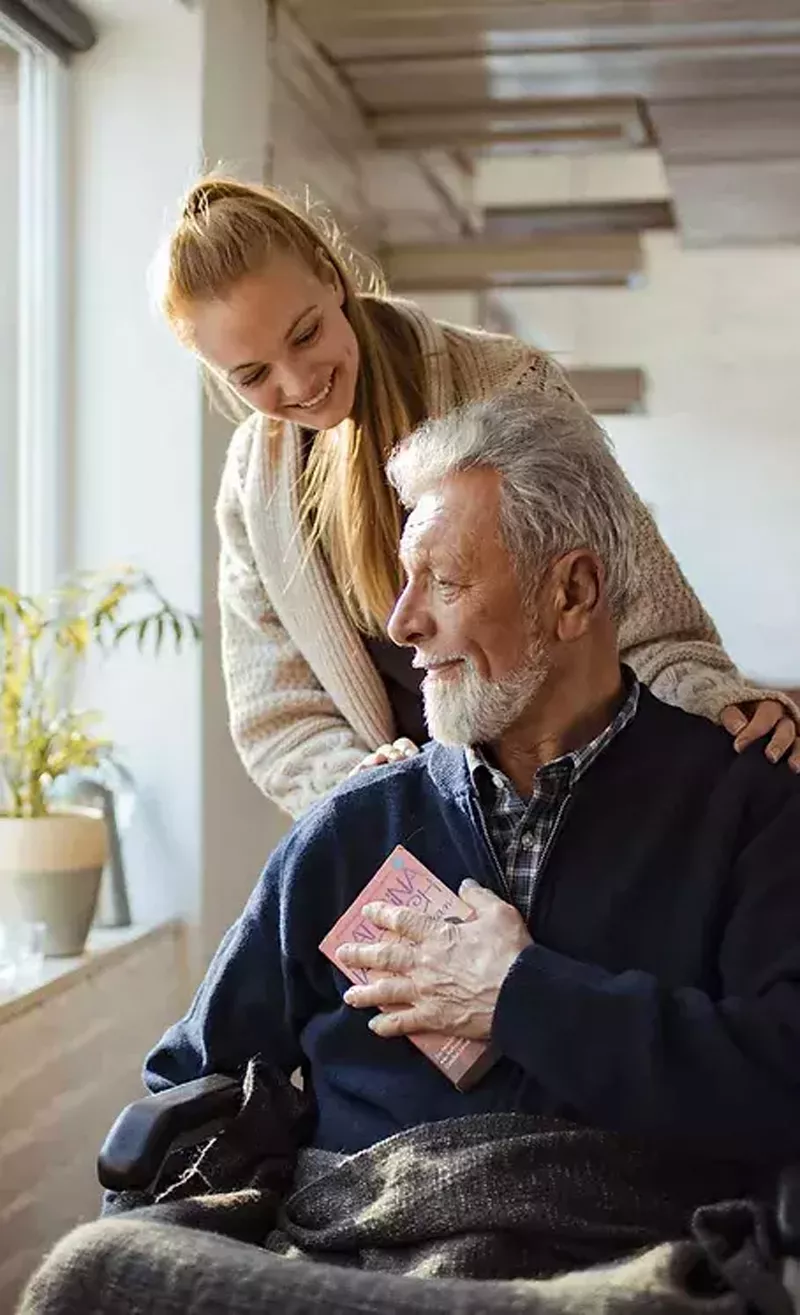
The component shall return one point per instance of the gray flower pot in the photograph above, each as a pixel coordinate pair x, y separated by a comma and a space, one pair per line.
50, 869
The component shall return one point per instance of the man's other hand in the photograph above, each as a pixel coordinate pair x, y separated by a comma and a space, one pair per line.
441, 976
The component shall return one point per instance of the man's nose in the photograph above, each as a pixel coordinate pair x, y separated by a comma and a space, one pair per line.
408, 624
396, 626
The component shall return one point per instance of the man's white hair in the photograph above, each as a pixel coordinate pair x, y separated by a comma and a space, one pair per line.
561, 489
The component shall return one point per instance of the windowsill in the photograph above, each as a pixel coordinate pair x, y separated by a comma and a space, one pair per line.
106, 946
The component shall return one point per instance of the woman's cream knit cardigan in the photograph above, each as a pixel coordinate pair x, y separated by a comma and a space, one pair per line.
306, 702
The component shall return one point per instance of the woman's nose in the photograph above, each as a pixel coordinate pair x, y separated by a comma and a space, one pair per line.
295, 384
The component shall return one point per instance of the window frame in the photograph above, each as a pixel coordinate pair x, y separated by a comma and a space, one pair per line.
43, 394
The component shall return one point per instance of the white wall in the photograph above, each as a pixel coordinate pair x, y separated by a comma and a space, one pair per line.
236, 94
717, 455
239, 826
137, 450
165, 89
452, 307
318, 130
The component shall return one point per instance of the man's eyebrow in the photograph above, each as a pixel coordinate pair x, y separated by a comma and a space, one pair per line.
446, 560
404, 553
408, 552
253, 365
451, 560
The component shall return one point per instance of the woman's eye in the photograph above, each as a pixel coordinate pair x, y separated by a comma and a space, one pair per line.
308, 335
255, 378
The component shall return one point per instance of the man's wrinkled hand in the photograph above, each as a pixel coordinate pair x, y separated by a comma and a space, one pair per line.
437, 976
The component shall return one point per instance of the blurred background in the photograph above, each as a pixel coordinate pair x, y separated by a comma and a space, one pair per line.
616, 181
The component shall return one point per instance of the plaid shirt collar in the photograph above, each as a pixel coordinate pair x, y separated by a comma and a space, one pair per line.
521, 832
572, 765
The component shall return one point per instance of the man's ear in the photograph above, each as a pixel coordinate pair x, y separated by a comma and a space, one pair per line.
578, 587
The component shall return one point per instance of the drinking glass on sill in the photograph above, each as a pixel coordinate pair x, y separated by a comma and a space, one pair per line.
8, 969
21, 953
30, 941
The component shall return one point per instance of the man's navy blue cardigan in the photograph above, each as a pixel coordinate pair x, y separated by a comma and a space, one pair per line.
661, 997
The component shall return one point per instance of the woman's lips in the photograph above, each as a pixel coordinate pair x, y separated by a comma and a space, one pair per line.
317, 400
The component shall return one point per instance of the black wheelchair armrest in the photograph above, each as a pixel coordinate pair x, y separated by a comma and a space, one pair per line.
787, 1210
146, 1131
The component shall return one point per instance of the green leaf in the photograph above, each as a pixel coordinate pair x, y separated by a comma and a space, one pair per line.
43, 643
122, 631
109, 605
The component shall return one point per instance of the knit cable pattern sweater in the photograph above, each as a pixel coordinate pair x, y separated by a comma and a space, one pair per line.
305, 701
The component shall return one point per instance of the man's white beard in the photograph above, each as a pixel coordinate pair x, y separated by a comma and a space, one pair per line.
469, 709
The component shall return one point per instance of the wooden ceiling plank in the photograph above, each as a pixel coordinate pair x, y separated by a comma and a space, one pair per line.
611, 391
529, 63
365, 32
464, 45
735, 203
583, 109
542, 124
634, 77
582, 217
554, 140
554, 13
724, 129
405, 44
565, 260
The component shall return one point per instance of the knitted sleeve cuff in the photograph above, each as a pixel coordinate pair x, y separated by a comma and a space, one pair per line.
706, 692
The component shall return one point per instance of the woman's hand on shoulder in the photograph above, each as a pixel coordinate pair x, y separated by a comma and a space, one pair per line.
755, 720
387, 753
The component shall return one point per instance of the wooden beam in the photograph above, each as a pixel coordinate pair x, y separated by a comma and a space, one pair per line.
737, 202
566, 260
539, 122
652, 74
543, 127
582, 217
713, 130
539, 141
371, 18
611, 391
528, 182
397, 56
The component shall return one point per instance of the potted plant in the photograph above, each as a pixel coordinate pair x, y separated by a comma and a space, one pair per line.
52, 856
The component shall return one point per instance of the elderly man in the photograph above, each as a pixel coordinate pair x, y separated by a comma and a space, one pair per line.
633, 960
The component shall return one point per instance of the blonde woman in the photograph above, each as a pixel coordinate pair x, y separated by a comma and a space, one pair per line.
334, 375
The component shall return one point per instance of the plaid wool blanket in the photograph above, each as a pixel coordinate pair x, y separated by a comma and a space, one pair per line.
590, 1221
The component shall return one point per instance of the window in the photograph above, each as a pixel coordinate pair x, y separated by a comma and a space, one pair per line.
33, 368
9, 317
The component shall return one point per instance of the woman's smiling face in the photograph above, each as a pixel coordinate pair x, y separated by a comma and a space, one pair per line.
281, 339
